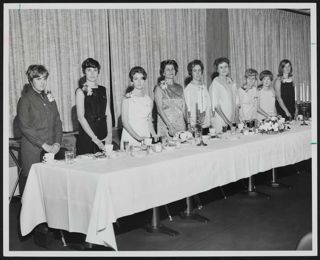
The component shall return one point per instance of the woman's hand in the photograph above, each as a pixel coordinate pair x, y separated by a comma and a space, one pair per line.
172, 131
48, 148
108, 139
99, 143
156, 137
55, 148
289, 115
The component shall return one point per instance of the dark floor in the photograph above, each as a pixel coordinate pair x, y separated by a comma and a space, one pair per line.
239, 222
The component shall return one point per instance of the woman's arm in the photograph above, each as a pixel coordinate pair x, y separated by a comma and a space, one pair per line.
125, 120
277, 88
262, 112
108, 138
222, 115
83, 121
158, 99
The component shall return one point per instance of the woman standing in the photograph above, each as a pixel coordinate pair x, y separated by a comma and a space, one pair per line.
197, 95
93, 111
137, 110
39, 121
285, 92
223, 94
169, 98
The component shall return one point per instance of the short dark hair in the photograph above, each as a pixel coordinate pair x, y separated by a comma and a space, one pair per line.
266, 73
192, 64
283, 63
219, 61
137, 69
36, 71
90, 63
250, 72
164, 63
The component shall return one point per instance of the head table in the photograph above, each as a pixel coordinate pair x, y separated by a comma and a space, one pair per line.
89, 195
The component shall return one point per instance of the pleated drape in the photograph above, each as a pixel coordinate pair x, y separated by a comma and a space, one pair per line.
261, 38
146, 37
60, 40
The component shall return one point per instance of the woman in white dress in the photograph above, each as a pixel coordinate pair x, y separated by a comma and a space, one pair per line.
197, 95
266, 94
223, 94
137, 110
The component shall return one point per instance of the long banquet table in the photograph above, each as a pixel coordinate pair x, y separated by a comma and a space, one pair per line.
90, 195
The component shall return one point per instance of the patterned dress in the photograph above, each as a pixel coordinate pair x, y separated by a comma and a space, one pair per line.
173, 106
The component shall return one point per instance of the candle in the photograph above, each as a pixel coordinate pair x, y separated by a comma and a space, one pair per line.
300, 92
307, 93
188, 102
212, 100
295, 93
303, 93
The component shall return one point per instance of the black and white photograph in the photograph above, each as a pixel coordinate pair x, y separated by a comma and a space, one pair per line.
160, 129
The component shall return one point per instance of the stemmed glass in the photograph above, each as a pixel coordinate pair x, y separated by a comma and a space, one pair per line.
304, 107
199, 126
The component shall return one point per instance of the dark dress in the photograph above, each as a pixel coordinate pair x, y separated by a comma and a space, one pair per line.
287, 95
39, 122
95, 114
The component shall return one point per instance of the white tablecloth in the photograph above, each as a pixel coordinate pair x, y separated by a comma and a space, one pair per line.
89, 195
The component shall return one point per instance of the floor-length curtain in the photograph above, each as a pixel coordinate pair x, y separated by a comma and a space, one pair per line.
60, 40
146, 37
260, 38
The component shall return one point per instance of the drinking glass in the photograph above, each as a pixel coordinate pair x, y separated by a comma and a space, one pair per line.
69, 157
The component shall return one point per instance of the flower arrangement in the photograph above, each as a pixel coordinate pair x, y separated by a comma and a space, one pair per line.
272, 125
183, 136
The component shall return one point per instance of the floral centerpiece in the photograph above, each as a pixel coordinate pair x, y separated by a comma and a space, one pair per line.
183, 136
273, 125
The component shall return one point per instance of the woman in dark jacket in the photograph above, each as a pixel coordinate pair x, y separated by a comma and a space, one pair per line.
39, 121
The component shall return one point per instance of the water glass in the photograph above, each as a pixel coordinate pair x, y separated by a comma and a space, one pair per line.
126, 145
69, 157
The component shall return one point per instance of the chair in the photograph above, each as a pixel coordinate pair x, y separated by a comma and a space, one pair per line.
14, 145
305, 242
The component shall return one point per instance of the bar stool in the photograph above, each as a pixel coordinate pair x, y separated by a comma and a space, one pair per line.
251, 190
14, 145
275, 184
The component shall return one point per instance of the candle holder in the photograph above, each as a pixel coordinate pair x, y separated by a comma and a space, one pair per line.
199, 126
303, 107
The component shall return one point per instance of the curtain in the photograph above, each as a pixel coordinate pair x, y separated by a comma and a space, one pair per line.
146, 37
60, 40
260, 39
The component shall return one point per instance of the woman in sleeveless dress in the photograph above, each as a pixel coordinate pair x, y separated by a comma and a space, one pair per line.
285, 91
137, 110
266, 94
169, 98
93, 111
223, 94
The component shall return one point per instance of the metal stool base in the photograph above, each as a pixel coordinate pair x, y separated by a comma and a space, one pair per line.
256, 194
161, 229
279, 185
194, 216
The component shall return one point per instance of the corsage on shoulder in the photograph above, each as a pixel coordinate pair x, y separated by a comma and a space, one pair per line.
50, 96
87, 89
163, 84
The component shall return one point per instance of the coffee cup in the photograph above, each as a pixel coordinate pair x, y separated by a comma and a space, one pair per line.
212, 131
108, 148
48, 157
147, 141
